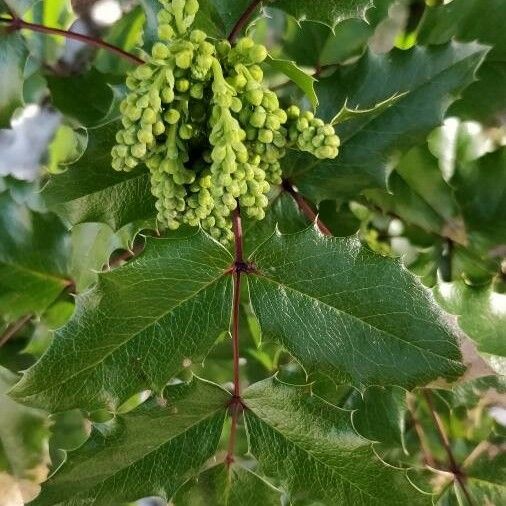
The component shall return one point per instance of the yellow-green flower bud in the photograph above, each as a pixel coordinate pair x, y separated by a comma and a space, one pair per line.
182, 85
265, 136
185, 131
197, 91
184, 59
138, 150
257, 54
143, 72
167, 95
160, 51
148, 116
165, 32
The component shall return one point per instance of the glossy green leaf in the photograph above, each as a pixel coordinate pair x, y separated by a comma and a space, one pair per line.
419, 195
303, 80
92, 246
348, 312
428, 80
380, 415
13, 56
220, 486
150, 451
85, 97
481, 312
314, 44
485, 478
34, 252
91, 191
469, 20
311, 448
137, 328
328, 12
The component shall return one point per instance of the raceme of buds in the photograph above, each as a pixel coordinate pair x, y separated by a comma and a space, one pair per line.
212, 135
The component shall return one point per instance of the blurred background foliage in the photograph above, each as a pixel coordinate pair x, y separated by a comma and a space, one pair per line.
442, 211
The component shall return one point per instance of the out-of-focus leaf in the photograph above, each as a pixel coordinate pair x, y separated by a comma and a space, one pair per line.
222, 486
13, 56
24, 434
428, 80
481, 312
34, 252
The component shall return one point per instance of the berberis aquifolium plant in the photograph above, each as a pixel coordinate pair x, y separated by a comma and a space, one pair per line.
251, 252
206, 97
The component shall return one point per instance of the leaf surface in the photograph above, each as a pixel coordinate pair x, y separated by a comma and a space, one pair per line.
480, 312
13, 56
34, 250
328, 12
220, 486
150, 451
91, 191
313, 450
137, 328
341, 309
428, 80
304, 81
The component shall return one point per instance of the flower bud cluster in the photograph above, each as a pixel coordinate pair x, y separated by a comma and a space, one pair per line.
212, 135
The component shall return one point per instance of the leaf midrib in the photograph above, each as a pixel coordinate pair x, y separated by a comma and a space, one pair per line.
304, 450
155, 449
382, 331
124, 343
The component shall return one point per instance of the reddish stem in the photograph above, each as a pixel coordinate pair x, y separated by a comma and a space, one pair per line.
18, 24
454, 467
14, 328
305, 207
243, 20
239, 267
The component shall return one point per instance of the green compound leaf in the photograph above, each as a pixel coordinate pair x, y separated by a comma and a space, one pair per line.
34, 250
304, 81
220, 486
312, 450
137, 328
13, 56
424, 81
91, 191
150, 451
340, 309
480, 311
328, 12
